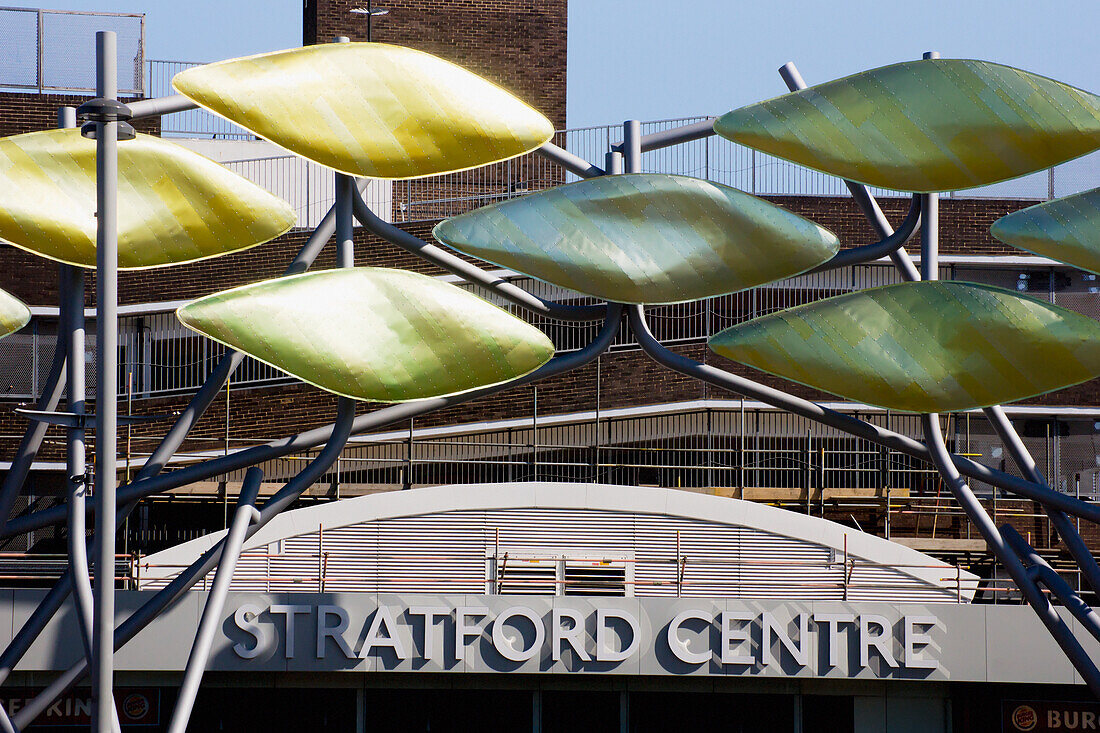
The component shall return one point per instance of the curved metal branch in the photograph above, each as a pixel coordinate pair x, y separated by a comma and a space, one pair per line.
36, 431
847, 423
472, 273
1069, 643
569, 161
211, 614
885, 247
1038, 571
1069, 533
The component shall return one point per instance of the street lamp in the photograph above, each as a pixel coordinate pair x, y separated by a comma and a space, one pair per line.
370, 12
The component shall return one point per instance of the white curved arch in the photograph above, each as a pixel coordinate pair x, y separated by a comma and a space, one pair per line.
599, 497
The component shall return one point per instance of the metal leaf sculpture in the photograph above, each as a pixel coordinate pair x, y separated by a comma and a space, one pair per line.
372, 333
1066, 229
174, 205
643, 238
930, 125
922, 347
14, 314
369, 109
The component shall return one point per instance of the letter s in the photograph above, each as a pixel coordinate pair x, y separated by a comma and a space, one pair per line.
246, 617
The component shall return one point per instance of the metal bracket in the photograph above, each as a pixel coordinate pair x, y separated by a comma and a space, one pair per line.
104, 110
72, 420
126, 131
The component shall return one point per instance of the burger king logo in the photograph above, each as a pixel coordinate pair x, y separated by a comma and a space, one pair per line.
136, 707
1025, 718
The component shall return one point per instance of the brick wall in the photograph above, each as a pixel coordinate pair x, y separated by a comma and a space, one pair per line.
518, 44
29, 112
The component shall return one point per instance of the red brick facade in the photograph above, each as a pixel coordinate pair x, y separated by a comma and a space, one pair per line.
519, 44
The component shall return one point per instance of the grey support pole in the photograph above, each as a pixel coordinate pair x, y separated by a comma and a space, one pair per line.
569, 161
632, 146
211, 615
72, 326
106, 388
930, 225
345, 219
613, 163
864, 200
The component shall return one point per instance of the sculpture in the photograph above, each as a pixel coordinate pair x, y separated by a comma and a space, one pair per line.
376, 110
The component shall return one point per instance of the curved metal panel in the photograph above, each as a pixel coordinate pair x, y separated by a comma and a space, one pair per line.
448, 532
174, 205
643, 238
922, 347
372, 334
369, 109
923, 126
14, 314
1066, 229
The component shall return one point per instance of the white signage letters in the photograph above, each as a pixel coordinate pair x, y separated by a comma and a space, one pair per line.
573, 636
729, 640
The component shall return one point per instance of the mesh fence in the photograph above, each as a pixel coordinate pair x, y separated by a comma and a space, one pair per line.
53, 50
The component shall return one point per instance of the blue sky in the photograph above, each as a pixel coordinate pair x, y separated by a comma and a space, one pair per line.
651, 59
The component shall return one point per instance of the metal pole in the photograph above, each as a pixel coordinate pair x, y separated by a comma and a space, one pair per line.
72, 324
345, 196
245, 515
613, 163
632, 146
106, 387
930, 225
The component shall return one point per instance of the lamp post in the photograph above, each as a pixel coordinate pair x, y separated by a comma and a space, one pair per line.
370, 12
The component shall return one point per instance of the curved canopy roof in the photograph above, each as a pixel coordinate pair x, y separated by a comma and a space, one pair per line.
756, 538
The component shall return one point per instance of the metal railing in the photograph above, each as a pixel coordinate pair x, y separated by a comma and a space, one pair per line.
846, 575
54, 50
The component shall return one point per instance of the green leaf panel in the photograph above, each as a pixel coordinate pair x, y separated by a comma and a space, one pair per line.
643, 238
14, 314
1066, 229
373, 334
924, 126
174, 205
369, 109
922, 347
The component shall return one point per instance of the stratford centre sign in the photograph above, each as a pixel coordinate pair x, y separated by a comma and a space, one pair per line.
527, 631
302, 633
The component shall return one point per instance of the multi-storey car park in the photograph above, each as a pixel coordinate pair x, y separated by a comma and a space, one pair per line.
575, 553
